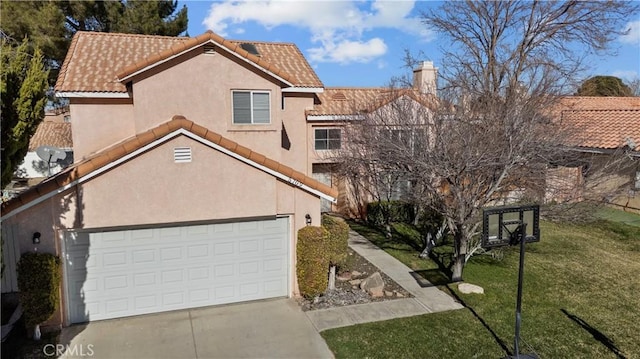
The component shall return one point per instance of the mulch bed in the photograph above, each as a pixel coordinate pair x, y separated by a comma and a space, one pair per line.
347, 290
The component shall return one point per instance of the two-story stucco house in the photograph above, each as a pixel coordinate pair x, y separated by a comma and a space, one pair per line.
190, 179
196, 161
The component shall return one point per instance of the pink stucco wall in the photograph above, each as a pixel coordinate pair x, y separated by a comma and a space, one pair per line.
198, 86
97, 124
152, 189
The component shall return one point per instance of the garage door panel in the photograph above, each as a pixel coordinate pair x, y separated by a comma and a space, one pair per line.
123, 273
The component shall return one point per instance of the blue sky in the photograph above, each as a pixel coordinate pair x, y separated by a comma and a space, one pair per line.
361, 43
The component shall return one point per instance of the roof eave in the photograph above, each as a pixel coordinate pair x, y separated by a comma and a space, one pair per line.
304, 89
180, 131
334, 117
91, 94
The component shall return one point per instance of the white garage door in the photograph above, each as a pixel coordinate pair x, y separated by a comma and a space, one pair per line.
122, 273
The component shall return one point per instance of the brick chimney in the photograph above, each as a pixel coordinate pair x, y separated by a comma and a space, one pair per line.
425, 78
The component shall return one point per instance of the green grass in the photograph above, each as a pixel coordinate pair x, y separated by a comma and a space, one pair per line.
617, 215
581, 300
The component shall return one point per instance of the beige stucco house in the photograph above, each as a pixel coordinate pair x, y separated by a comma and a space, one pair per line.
191, 178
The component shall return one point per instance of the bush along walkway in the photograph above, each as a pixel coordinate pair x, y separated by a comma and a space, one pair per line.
427, 297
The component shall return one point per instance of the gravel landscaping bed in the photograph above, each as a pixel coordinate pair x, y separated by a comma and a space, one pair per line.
348, 290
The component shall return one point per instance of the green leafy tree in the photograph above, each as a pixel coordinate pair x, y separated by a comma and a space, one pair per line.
24, 88
604, 86
51, 24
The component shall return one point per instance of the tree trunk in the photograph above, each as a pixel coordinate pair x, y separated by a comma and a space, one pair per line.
458, 264
460, 243
332, 277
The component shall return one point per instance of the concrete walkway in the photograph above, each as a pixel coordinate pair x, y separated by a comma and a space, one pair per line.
427, 298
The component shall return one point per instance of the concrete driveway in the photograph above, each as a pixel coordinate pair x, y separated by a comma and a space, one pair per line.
261, 329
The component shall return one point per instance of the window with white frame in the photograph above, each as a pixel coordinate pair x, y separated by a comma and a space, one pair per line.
328, 138
251, 107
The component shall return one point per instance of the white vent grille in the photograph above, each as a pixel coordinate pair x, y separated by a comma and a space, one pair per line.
182, 154
209, 49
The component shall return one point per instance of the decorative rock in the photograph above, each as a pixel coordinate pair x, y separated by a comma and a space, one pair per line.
355, 282
372, 281
399, 295
345, 276
376, 292
355, 273
467, 288
388, 293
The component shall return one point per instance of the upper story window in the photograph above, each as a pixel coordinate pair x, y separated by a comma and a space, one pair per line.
251, 107
328, 138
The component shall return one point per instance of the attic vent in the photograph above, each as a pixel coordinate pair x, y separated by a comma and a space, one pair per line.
209, 49
250, 48
339, 96
182, 154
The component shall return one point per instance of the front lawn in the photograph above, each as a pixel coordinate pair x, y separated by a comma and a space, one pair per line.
581, 300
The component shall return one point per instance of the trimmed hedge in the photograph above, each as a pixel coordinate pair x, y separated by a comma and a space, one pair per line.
338, 243
313, 260
39, 284
398, 211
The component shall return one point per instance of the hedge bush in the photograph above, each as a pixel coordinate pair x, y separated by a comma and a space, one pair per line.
39, 284
338, 242
313, 260
429, 220
398, 211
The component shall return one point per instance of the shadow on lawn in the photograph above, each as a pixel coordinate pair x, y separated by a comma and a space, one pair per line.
597, 335
495, 336
441, 277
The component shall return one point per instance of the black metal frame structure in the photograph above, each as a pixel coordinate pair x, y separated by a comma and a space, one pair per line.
521, 224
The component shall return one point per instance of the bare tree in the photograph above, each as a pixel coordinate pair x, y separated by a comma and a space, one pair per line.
491, 133
634, 84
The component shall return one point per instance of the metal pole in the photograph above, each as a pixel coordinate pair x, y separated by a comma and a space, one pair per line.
521, 234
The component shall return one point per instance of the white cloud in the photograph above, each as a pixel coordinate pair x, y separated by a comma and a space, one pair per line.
338, 27
633, 37
348, 51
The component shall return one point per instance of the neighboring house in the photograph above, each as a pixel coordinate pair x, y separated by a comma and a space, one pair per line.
48, 133
54, 131
604, 127
191, 176
335, 109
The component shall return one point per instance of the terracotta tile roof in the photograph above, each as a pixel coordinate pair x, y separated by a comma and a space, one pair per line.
352, 100
95, 61
603, 122
48, 133
134, 143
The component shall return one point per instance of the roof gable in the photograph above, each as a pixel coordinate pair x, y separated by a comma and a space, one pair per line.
96, 62
116, 154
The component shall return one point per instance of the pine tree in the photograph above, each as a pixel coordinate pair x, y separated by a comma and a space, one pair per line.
23, 93
51, 24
